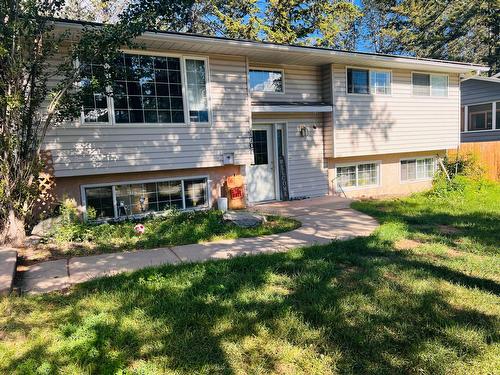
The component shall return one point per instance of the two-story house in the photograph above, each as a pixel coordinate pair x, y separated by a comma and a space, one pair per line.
295, 121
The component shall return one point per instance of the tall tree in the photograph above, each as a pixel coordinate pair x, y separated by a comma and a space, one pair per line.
377, 15
29, 106
325, 23
444, 29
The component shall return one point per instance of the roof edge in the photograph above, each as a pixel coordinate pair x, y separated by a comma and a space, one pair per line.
292, 47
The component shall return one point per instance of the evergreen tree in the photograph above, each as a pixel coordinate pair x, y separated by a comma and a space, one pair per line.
459, 30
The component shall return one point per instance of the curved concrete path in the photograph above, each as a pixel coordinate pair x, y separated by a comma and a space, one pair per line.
323, 220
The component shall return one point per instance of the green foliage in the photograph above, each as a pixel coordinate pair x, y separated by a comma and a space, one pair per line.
408, 299
465, 173
452, 30
69, 212
173, 228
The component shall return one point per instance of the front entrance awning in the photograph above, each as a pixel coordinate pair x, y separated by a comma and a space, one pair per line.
290, 107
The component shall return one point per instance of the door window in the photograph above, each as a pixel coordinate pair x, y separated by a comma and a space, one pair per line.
260, 147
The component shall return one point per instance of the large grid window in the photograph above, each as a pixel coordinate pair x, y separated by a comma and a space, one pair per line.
418, 169
148, 90
95, 106
358, 175
141, 198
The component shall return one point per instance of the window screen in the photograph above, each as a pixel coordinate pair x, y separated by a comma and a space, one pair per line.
417, 169
421, 84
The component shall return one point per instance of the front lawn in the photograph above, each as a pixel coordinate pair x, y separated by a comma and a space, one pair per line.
419, 296
178, 228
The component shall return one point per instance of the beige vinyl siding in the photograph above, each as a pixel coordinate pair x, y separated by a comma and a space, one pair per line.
327, 94
307, 174
301, 83
98, 149
400, 122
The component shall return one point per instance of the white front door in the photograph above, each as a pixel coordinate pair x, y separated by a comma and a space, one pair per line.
261, 175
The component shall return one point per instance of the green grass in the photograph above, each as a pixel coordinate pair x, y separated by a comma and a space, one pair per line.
413, 298
180, 228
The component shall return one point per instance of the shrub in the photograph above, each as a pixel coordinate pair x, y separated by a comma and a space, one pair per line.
464, 165
464, 172
69, 212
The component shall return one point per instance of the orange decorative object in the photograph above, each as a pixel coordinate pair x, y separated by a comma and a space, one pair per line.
235, 192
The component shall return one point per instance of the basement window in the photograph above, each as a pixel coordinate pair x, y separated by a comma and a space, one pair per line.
418, 169
140, 198
357, 175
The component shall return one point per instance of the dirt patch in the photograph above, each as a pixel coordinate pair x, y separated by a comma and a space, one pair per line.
447, 229
453, 253
406, 244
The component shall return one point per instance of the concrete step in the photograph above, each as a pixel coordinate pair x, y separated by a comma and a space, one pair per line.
8, 261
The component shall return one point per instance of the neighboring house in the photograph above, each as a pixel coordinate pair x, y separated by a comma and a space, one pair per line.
480, 100
295, 121
480, 121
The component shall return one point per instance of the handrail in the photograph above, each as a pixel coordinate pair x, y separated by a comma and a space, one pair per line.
339, 186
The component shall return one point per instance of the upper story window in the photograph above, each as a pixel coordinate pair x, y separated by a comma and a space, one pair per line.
95, 106
366, 81
150, 90
266, 80
197, 90
430, 84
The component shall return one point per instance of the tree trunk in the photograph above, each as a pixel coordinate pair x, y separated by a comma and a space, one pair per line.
13, 232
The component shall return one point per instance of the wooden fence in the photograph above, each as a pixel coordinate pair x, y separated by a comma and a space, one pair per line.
488, 154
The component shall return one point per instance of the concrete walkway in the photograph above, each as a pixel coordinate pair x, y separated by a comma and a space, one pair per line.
323, 220
8, 261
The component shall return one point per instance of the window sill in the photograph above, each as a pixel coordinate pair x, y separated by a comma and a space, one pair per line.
369, 95
363, 187
416, 181
479, 131
134, 125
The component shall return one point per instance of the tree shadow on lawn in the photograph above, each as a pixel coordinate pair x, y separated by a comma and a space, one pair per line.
481, 228
353, 306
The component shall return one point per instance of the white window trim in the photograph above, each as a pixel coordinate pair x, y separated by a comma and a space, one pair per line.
131, 182
183, 58
401, 181
493, 117
264, 69
370, 93
207, 86
430, 85
378, 163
